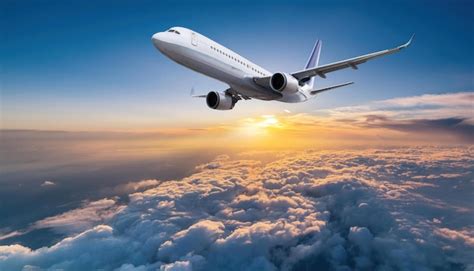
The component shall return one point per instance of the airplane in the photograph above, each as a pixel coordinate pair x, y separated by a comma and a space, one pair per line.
246, 79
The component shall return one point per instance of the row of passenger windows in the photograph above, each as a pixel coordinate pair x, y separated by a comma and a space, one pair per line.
236, 59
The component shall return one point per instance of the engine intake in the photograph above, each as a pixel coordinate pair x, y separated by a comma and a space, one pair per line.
220, 101
283, 82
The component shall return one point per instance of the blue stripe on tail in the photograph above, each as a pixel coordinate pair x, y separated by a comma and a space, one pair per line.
313, 60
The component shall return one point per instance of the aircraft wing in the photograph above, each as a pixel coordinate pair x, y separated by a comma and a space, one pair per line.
348, 63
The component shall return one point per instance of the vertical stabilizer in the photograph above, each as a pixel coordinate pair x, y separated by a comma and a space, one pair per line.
313, 60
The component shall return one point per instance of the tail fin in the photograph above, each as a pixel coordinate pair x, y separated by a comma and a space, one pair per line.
313, 60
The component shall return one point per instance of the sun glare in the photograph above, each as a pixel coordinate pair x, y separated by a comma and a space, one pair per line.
260, 125
268, 121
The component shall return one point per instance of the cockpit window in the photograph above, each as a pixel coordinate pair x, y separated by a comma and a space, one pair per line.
174, 31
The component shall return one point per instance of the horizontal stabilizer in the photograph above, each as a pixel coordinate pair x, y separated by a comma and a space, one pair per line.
197, 96
316, 91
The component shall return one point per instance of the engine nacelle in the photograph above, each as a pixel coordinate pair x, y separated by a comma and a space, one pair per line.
283, 82
220, 101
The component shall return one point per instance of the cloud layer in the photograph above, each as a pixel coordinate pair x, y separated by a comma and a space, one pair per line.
449, 114
386, 209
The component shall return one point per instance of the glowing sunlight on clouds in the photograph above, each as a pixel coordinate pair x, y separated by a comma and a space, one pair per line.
258, 126
382, 209
426, 119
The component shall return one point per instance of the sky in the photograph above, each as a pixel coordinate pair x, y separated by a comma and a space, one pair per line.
106, 162
71, 65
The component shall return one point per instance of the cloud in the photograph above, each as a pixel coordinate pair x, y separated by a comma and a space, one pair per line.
132, 187
48, 183
462, 236
195, 238
80, 219
433, 118
425, 119
455, 126
459, 99
386, 209
11, 234
428, 106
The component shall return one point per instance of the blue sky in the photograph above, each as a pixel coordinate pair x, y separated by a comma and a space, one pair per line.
77, 65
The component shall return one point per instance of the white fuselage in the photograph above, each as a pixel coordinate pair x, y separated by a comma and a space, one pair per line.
208, 57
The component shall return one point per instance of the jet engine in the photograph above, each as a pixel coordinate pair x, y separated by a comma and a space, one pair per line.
220, 101
283, 82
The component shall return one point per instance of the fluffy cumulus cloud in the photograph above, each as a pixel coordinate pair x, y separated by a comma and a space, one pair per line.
386, 209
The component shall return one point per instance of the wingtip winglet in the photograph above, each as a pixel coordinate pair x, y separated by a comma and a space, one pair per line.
411, 38
408, 42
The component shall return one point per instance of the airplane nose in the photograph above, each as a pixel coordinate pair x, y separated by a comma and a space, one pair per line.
157, 39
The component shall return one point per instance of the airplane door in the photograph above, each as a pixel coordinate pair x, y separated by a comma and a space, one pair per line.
193, 39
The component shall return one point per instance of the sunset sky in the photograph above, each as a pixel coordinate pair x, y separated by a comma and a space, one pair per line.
106, 162
91, 66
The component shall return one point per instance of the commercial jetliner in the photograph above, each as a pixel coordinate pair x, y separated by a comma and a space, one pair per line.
246, 79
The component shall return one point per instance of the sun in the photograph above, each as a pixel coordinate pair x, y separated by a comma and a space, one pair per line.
260, 126
268, 121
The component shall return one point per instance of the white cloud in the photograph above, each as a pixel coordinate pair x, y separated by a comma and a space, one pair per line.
11, 234
449, 99
177, 266
88, 215
194, 239
387, 209
48, 183
132, 187
428, 106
